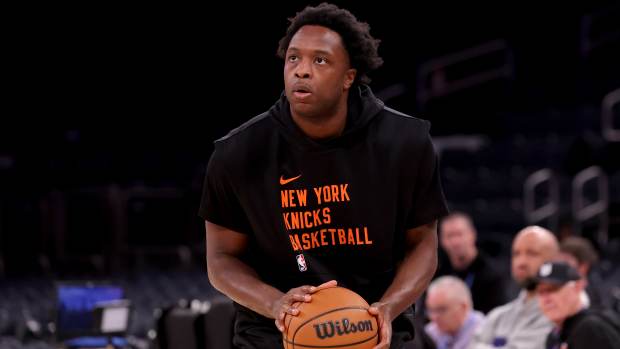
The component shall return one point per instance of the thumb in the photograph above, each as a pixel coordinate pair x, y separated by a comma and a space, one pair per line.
328, 284
373, 310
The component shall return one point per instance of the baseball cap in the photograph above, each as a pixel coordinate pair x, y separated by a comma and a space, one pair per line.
557, 273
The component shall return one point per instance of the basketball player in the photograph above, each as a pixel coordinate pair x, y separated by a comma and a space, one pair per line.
328, 184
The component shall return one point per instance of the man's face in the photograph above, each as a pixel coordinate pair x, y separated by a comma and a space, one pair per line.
317, 73
447, 312
457, 239
528, 254
558, 302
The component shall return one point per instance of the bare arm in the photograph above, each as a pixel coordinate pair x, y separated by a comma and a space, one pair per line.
416, 270
237, 280
412, 278
231, 276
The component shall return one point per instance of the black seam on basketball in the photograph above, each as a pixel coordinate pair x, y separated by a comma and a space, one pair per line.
318, 316
332, 346
286, 328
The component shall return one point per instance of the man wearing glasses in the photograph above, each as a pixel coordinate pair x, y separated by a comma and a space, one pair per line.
449, 307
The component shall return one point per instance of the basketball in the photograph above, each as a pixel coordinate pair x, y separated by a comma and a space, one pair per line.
335, 318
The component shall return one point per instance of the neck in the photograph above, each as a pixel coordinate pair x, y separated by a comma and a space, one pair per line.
530, 295
325, 126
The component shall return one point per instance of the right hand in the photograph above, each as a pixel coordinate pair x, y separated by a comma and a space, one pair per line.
284, 305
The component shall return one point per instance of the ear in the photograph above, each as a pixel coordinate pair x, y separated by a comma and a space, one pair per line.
580, 284
349, 78
583, 269
464, 306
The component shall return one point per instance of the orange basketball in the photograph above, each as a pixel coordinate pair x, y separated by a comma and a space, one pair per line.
335, 318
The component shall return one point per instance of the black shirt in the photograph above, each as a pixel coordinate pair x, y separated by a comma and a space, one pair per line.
335, 209
585, 330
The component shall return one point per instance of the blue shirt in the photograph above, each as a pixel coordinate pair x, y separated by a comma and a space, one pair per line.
462, 338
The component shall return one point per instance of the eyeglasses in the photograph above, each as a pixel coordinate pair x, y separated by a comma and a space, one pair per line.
440, 310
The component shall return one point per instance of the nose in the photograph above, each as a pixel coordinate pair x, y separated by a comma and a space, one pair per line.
519, 261
303, 70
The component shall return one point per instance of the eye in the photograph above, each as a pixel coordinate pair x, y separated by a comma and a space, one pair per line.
320, 60
292, 58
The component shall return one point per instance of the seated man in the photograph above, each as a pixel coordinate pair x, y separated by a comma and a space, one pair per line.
520, 324
458, 239
559, 292
449, 306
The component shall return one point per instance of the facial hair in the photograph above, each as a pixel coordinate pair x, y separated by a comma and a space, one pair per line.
528, 283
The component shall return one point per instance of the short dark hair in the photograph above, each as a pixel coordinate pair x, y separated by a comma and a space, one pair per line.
360, 45
579, 248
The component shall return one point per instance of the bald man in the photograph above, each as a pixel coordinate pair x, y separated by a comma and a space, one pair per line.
449, 307
520, 324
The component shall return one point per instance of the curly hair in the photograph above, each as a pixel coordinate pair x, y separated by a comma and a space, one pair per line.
360, 45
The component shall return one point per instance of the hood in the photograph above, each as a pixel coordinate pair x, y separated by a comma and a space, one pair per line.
362, 108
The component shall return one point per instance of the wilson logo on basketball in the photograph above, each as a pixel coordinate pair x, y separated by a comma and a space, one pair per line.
330, 328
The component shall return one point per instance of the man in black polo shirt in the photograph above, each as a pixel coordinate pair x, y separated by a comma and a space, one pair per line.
559, 292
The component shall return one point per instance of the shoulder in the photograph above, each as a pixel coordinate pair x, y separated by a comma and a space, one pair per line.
498, 313
591, 322
478, 316
392, 117
397, 130
595, 331
256, 125
242, 139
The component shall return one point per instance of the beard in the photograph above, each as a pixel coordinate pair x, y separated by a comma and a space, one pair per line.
529, 283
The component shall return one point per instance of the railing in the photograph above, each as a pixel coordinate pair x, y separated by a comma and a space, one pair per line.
550, 210
585, 209
598, 30
611, 100
433, 76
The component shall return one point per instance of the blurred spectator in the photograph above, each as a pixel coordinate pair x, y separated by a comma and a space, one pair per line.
520, 323
453, 320
458, 240
559, 291
580, 254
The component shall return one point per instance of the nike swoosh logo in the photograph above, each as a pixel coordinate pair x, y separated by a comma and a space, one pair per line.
288, 180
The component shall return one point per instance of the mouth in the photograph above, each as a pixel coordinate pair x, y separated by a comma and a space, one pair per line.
301, 92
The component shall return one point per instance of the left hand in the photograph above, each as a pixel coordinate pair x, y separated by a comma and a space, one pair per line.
384, 320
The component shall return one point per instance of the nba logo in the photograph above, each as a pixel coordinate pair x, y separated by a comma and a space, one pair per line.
301, 262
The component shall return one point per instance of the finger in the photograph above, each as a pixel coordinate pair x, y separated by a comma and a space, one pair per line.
288, 309
386, 333
302, 298
292, 311
373, 311
280, 325
328, 284
384, 340
382, 345
304, 289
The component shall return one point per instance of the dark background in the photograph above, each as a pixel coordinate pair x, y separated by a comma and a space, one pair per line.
111, 111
